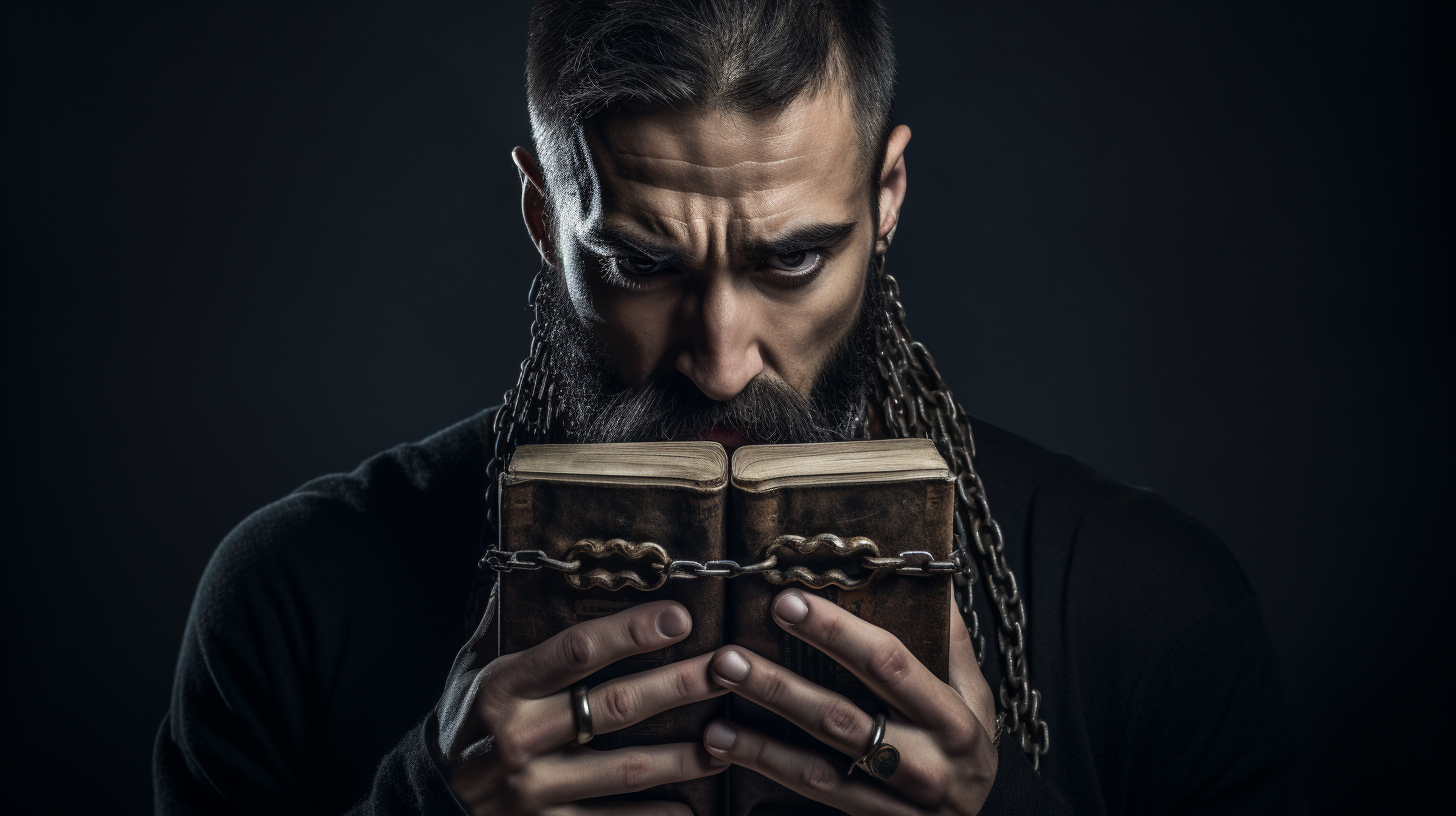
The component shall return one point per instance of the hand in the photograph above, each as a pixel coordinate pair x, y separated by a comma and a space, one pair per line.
508, 734
947, 761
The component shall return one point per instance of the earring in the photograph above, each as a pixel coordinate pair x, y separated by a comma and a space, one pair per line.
883, 244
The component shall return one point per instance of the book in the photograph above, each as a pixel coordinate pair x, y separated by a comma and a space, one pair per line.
624, 511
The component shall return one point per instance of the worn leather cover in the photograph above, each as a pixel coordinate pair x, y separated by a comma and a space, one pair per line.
897, 516
541, 514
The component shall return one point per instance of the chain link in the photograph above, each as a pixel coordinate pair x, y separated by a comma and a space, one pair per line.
915, 402
910, 562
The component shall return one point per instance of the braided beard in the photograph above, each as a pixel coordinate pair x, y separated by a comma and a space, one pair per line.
596, 405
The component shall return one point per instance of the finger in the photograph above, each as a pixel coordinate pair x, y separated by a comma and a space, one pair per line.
577, 651
802, 771
829, 717
965, 675
875, 656
833, 719
626, 701
621, 809
567, 776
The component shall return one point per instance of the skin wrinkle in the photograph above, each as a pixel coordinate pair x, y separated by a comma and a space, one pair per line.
706, 187
710, 187
746, 162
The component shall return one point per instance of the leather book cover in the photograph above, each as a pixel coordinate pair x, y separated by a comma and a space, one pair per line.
687, 522
896, 516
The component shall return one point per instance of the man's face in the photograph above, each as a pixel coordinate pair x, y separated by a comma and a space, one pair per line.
728, 248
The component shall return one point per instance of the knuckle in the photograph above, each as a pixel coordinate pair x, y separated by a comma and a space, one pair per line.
521, 788
930, 781
817, 775
756, 752
636, 770
773, 687
642, 631
960, 740
683, 685
888, 661
620, 702
840, 720
578, 650
510, 749
831, 629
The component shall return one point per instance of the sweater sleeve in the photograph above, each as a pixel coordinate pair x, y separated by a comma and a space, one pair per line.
296, 674
410, 780
1018, 791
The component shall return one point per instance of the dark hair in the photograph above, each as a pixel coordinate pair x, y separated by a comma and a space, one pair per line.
587, 58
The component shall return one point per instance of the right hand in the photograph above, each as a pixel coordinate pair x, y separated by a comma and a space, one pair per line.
507, 735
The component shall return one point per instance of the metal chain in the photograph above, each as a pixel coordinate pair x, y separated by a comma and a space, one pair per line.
915, 402
528, 408
909, 562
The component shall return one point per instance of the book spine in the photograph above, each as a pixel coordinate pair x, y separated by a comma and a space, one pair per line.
536, 604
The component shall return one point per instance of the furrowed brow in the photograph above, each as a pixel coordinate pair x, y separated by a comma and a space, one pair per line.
608, 241
802, 239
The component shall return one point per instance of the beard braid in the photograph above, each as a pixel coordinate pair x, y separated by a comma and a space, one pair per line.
596, 405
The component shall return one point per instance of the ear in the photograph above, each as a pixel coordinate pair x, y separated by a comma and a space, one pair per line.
892, 187
533, 204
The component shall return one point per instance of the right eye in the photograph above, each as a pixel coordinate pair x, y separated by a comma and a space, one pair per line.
640, 266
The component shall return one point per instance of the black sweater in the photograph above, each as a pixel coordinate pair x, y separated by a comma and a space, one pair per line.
326, 623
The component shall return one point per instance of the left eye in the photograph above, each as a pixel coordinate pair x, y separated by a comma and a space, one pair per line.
801, 261
638, 265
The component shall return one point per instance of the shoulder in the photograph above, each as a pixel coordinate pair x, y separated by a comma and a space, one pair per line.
431, 489
391, 525
349, 594
1102, 549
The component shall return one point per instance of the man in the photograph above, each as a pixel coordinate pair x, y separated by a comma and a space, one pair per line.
717, 188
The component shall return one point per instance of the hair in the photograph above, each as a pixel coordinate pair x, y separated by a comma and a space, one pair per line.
592, 58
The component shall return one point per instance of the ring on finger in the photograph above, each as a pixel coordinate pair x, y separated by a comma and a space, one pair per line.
880, 760
582, 710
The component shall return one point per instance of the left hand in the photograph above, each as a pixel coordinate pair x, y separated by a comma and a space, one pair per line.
943, 732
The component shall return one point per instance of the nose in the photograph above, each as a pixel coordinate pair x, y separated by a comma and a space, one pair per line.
722, 354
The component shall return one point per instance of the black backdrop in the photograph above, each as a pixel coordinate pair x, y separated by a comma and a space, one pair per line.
1193, 244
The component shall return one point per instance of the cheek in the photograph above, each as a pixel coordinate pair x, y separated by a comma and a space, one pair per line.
811, 331
634, 328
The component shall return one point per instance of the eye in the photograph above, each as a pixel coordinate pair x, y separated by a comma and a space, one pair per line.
639, 266
799, 262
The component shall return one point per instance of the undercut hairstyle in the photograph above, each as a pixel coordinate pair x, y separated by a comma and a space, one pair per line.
593, 58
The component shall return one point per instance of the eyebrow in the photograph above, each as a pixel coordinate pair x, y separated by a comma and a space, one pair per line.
803, 239
609, 241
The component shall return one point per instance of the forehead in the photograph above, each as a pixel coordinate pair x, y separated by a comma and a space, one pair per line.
698, 175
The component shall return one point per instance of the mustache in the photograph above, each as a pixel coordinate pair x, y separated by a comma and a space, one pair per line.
668, 406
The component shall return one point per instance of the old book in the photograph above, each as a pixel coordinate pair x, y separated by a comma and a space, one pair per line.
593, 503
837, 503
820, 510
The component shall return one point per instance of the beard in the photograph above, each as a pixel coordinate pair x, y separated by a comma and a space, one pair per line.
597, 405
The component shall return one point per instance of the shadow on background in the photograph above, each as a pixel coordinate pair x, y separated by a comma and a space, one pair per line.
1192, 245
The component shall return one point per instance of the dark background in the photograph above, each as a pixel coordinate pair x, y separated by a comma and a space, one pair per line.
1202, 246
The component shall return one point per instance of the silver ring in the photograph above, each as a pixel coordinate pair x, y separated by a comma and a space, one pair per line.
879, 760
582, 709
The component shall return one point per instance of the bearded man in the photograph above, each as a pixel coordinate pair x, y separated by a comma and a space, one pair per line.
717, 188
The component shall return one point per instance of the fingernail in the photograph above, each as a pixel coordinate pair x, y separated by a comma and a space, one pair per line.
791, 607
721, 736
672, 621
732, 667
